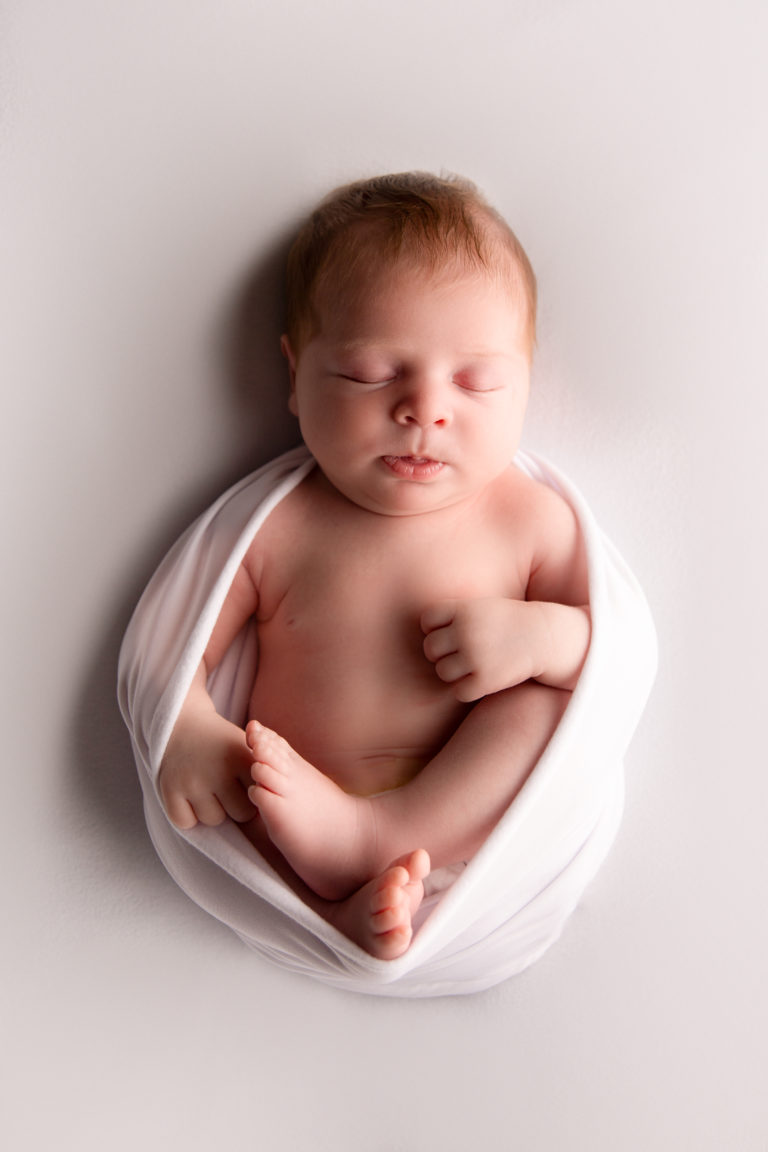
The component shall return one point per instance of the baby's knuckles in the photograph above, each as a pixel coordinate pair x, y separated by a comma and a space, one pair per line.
174, 795
499, 642
196, 770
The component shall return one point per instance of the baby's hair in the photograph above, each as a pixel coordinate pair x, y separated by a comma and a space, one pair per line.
432, 221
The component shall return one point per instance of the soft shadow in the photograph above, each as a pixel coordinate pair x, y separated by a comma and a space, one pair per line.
100, 748
254, 390
254, 368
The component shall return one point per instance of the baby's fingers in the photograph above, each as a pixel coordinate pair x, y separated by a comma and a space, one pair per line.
209, 810
455, 671
440, 643
438, 615
180, 811
235, 801
452, 668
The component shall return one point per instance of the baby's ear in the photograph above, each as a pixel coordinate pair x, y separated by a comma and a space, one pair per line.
287, 351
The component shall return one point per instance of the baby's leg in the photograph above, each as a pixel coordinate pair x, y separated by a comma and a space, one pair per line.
337, 842
457, 800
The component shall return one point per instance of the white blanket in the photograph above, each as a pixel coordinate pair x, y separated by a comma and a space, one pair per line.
511, 901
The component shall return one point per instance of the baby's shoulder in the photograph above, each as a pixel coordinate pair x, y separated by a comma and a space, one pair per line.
529, 504
290, 527
537, 521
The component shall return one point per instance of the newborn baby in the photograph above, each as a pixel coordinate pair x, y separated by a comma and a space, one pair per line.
421, 603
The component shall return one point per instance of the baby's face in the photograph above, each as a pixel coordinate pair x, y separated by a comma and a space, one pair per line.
412, 394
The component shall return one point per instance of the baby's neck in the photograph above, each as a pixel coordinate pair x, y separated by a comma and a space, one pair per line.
401, 526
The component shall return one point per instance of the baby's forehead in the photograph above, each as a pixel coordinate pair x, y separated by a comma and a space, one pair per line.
472, 311
370, 284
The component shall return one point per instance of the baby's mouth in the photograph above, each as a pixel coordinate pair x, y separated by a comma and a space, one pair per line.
413, 467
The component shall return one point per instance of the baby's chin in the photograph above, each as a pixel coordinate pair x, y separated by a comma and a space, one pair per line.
402, 497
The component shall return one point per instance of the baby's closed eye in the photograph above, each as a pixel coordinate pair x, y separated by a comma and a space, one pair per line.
480, 380
367, 379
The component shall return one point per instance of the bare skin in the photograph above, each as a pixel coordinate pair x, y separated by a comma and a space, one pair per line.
335, 841
378, 916
421, 608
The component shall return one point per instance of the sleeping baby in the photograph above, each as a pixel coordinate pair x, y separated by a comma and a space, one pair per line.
421, 603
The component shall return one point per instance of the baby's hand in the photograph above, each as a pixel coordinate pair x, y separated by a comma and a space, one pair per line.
206, 772
482, 646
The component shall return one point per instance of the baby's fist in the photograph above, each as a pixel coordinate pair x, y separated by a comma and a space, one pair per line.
477, 646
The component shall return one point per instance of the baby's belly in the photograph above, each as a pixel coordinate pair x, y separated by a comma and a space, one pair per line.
366, 724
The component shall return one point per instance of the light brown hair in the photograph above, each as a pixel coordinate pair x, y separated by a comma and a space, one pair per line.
431, 221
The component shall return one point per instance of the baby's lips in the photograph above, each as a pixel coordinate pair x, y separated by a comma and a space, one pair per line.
413, 467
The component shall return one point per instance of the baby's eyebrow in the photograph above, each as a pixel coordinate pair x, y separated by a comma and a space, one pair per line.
489, 354
367, 344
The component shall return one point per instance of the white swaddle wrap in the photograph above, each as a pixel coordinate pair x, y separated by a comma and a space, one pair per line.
512, 899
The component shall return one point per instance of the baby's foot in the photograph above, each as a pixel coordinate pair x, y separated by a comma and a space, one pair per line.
379, 916
327, 836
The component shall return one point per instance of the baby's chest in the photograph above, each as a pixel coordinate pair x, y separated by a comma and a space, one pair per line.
377, 594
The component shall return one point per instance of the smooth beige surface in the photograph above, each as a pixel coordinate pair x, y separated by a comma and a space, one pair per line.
154, 158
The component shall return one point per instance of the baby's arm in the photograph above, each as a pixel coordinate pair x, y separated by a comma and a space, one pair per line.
486, 645
206, 769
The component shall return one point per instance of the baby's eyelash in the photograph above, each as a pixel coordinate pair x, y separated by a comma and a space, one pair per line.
369, 383
466, 382
476, 385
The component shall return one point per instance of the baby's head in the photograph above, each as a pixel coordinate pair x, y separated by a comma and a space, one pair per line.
412, 219
410, 330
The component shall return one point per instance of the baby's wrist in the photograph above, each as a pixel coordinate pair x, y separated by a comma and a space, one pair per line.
563, 632
542, 638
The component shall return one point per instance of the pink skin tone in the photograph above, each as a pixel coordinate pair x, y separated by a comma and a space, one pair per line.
335, 841
379, 915
411, 396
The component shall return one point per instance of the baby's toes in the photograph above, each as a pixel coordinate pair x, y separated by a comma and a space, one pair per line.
390, 920
253, 731
391, 945
390, 907
259, 737
390, 887
270, 746
268, 777
418, 865
386, 897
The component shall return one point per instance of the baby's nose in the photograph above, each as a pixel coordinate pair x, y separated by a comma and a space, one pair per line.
423, 405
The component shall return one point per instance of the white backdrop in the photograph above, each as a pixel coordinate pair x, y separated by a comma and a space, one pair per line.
155, 156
